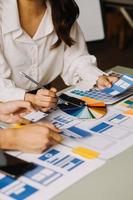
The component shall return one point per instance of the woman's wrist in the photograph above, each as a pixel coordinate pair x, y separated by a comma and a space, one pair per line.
7, 139
29, 97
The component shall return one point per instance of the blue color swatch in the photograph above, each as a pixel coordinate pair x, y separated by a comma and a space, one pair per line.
79, 132
102, 127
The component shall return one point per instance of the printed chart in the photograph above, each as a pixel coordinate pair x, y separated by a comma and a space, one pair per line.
56, 169
65, 161
13, 189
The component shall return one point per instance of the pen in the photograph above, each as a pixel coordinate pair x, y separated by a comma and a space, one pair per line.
63, 98
37, 83
32, 80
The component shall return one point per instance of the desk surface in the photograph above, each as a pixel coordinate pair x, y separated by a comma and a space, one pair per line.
125, 2
122, 69
113, 181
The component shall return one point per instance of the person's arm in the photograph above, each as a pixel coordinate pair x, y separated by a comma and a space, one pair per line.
39, 137
34, 138
8, 89
79, 65
7, 139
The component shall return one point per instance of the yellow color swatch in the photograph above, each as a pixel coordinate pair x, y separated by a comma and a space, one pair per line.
86, 153
17, 125
129, 112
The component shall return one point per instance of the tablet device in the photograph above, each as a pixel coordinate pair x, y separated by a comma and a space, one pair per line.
13, 166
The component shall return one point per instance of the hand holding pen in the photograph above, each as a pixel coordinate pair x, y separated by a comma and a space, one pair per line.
44, 99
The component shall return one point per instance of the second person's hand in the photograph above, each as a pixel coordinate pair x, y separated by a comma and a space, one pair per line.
33, 138
12, 111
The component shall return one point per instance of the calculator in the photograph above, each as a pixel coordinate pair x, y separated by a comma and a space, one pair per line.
97, 94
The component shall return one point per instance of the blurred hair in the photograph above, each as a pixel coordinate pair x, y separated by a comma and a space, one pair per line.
64, 14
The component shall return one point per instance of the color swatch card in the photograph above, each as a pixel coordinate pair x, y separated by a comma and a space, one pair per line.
123, 84
91, 109
35, 116
126, 106
129, 112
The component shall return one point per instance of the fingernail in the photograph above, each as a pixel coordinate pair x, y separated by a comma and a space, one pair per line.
109, 86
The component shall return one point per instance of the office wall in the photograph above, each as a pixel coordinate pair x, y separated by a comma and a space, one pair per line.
90, 19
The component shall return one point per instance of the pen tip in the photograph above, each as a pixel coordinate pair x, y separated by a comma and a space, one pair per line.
21, 73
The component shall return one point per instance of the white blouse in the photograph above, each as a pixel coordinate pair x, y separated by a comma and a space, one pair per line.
19, 52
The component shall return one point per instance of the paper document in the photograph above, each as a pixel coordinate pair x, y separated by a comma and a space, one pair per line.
87, 145
56, 169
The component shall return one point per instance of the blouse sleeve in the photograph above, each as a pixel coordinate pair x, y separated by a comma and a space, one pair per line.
8, 90
79, 65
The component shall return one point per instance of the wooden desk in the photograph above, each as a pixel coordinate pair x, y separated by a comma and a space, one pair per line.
122, 69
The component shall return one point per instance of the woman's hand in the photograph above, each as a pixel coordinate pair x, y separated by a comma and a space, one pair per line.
12, 112
44, 99
106, 81
33, 138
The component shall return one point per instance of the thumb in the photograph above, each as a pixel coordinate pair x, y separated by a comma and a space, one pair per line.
112, 79
50, 125
53, 89
55, 136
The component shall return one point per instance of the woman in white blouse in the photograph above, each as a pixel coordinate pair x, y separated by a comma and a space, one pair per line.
43, 39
